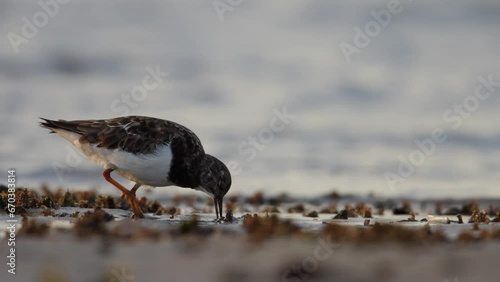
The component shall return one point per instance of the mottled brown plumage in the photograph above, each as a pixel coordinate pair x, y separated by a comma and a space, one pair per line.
186, 163
134, 134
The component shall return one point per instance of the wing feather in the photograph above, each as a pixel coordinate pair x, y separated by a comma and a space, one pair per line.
134, 134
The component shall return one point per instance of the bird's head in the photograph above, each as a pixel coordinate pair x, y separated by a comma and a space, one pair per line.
215, 180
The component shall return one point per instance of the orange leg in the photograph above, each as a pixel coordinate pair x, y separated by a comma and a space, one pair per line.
136, 186
134, 189
128, 195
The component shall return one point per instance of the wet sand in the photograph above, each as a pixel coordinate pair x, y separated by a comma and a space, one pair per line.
229, 258
269, 239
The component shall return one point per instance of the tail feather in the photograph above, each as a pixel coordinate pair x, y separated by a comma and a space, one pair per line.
53, 125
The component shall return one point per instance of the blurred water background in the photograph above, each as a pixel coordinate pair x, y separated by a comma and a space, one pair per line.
227, 74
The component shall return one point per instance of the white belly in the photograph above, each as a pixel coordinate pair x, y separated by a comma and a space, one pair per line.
150, 169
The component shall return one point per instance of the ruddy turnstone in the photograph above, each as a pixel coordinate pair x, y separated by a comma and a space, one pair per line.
147, 151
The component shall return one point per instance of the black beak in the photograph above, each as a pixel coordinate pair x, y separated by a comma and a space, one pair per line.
218, 207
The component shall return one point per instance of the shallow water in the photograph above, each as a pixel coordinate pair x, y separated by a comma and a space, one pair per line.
353, 121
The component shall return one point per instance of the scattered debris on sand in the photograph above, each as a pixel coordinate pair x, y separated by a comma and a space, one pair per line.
230, 217
410, 219
332, 208
405, 208
179, 218
497, 218
92, 223
262, 228
383, 233
313, 214
341, 215
459, 221
30, 227
173, 211
299, 208
479, 217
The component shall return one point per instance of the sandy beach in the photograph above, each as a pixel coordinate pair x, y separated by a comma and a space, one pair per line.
226, 258
265, 240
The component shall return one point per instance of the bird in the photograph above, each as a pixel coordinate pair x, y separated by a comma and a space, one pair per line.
149, 152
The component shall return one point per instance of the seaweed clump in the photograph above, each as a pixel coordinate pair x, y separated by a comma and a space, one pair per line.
405, 208
25, 199
497, 217
470, 207
133, 230
341, 215
257, 199
298, 208
192, 227
383, 233
332, 208
312, 214
477, 235
479, 217
263, 228
92, 223
30, 227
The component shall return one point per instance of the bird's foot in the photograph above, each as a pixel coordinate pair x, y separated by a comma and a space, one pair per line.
134, 205
136, 215
220, 220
